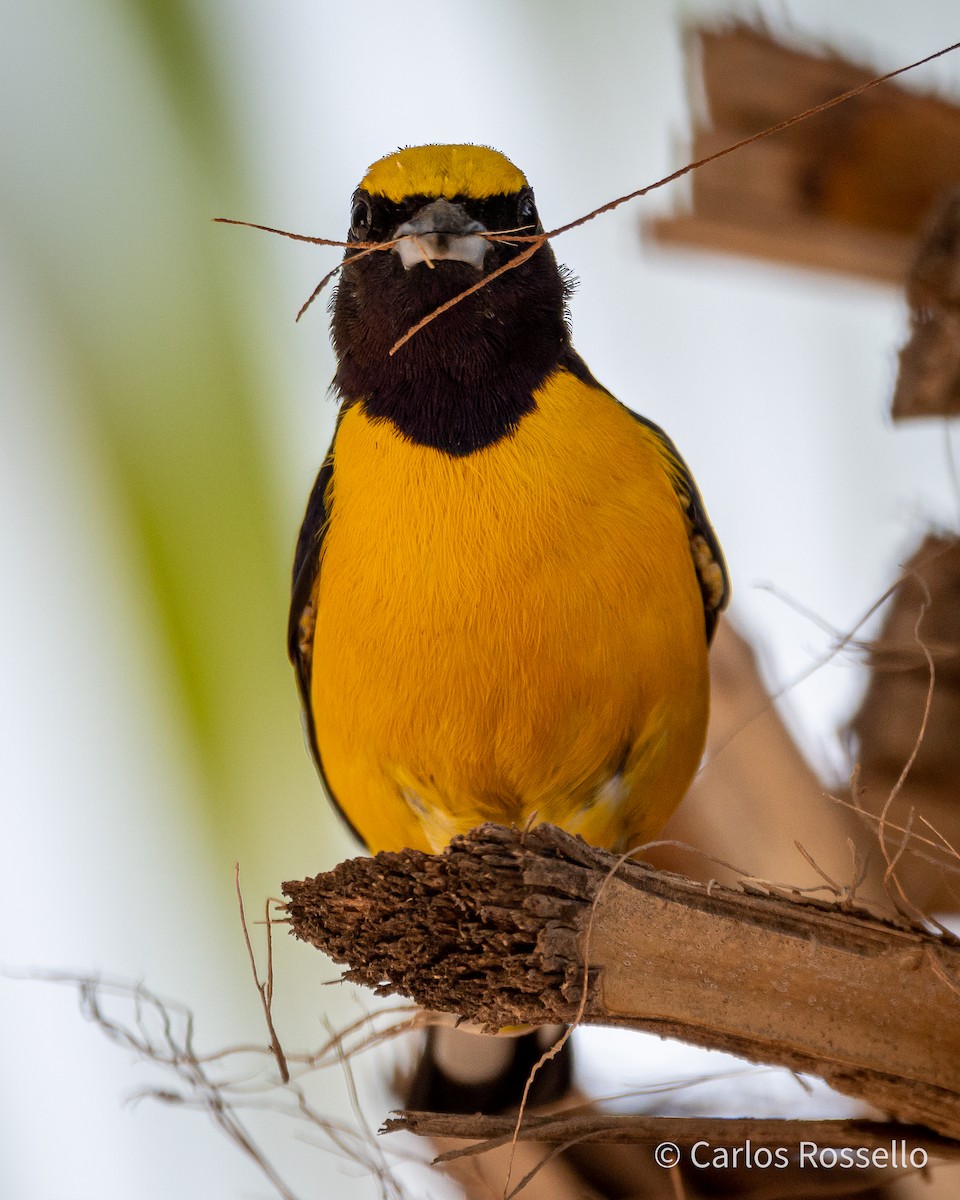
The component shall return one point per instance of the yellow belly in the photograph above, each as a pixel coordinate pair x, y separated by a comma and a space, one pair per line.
512, 635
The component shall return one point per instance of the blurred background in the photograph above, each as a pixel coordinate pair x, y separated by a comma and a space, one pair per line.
163, 419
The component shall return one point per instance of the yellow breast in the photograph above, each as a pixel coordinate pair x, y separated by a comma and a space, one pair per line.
513, 634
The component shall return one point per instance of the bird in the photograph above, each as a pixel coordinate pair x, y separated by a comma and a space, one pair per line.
506, 583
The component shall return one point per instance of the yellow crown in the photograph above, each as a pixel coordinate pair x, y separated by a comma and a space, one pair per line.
473, 171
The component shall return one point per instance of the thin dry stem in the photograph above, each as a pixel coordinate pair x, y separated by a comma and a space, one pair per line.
946, 845
551, 1154
362, 250
841, 641
832, 884
264, 989
388, 1189
538, 240
161, 1032
509, 265
890, 875
779, 127
855, 807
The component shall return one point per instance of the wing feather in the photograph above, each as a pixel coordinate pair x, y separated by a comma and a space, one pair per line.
303, 612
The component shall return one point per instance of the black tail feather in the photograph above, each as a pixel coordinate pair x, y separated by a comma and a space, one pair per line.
433, 1090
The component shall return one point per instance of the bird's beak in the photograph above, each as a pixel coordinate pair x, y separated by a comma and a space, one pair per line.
441, 231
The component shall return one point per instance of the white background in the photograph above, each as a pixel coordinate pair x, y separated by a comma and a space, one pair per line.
775, 384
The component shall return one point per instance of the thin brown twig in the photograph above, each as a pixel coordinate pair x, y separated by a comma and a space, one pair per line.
538, 240
264, 990
939, 969
427, 260
336, 1046
779, 127
743, 875
832, 884
380, 1169
840, 642
493, 235
862, 813
554, 1152
319, 288
269, 984
890, 874
296, 237
811, 614
315, 1059
859, 863
590, 1107
176, 1052
362, 250
610, 205
511, 263
946, 844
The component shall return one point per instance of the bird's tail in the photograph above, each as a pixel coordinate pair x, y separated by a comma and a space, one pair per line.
463, 1071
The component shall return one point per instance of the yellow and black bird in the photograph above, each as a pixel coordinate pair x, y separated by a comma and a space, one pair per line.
506, 583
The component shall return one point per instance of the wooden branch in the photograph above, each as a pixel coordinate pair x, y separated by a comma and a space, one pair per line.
496, 929
845, 191
928, 382
490, 1132
922, 619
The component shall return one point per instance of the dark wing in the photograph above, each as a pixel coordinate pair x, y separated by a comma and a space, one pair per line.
704, 547
306, 568
303, 612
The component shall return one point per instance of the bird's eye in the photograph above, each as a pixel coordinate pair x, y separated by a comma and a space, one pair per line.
527, 210
361, 216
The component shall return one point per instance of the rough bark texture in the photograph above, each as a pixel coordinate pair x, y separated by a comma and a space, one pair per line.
847, 190
922, 619
928, 383
497, 927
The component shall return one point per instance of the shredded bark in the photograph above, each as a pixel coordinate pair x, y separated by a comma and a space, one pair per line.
928, 383
441, 928
498, 927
